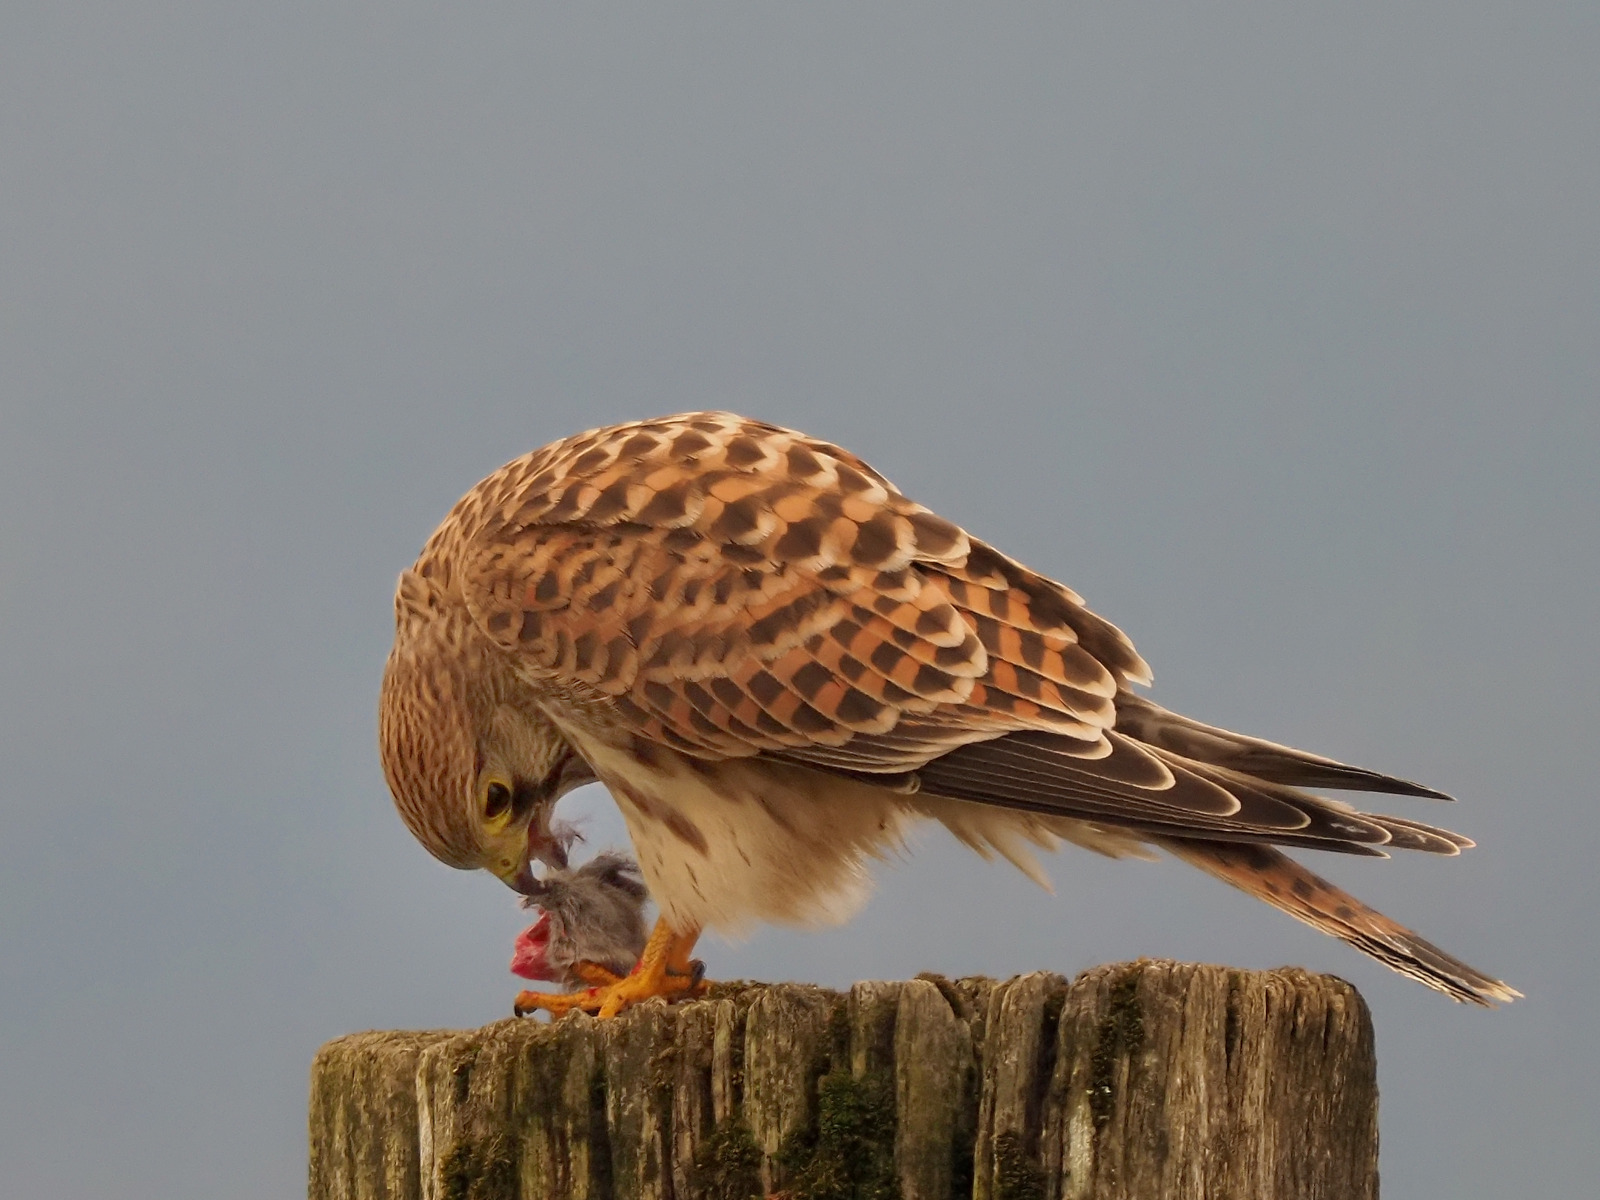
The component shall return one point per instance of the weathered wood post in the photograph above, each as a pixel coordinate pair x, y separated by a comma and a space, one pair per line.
1139, 1080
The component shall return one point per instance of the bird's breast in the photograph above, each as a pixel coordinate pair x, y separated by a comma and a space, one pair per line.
729, 844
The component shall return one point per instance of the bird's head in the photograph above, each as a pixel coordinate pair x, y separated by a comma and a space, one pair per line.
475, 783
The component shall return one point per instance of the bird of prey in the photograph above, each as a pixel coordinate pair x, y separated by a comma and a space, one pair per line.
776, 662
591, 927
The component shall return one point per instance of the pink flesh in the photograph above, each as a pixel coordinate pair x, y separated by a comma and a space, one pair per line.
528, 953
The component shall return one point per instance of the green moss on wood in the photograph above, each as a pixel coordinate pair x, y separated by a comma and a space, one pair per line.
1121, 1034
727, 1166
849, 1153
479, 1170
1017, 1175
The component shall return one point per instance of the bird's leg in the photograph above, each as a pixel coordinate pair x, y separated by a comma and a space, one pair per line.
664, 969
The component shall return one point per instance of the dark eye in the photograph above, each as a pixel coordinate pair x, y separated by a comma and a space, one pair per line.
496, 799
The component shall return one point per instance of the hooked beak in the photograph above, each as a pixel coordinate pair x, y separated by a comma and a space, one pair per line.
522, 880
543, 846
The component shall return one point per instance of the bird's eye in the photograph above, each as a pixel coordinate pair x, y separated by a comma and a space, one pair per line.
496, 800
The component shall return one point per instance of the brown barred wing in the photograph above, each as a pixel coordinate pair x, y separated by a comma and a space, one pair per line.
732, 587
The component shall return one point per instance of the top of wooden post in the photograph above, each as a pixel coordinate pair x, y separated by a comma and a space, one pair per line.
1146, 1079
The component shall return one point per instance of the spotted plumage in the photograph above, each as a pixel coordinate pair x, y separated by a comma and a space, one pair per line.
776, 662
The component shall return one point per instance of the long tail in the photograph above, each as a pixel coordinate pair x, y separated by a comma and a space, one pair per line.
1270, 875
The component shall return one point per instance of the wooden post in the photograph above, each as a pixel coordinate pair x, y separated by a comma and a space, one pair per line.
1138, 1080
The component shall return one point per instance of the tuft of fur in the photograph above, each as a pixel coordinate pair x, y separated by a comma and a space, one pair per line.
594, 913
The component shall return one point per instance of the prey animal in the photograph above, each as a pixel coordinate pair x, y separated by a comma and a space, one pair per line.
776, 663
591, 926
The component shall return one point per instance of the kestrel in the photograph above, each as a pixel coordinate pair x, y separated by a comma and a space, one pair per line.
776, 663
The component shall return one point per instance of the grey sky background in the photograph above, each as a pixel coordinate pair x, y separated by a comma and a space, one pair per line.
1273, 329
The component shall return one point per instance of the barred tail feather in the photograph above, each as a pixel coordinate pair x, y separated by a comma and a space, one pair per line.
1274, 877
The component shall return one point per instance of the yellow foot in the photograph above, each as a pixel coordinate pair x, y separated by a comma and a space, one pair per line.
592, 974
664, 969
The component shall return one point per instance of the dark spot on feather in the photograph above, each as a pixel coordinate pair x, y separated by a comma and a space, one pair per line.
1257, 856
659, 696
589, 460
639, 628
668, 647
605, 597
890, 581
802, 462
1032, 649
852, 480
1000, 605
1049, 607
691, 442
844, 631
770, 725
699, 765
744, 452
930, 679
499, 622
707, 424
585, 646
661, 586
765, 687
875, 541
702, 723
950, 657
774, 813
617, 651
895, 694
935, 536
1269, 887
852, 668
646, 804
903, 638
691, 590
933, 620
727, 691
803, 539
811, 679
610, 502
855, 707
1303, 888
585, 573
753, 579
743, 555
834, 574
723, 588
828, 505
532, 626
680, 540
637, 446
771, 627
643, 750
886, 657
985, 562
666, 506
547, 589
738, 519
808, 720
1344, 912
1028, 684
